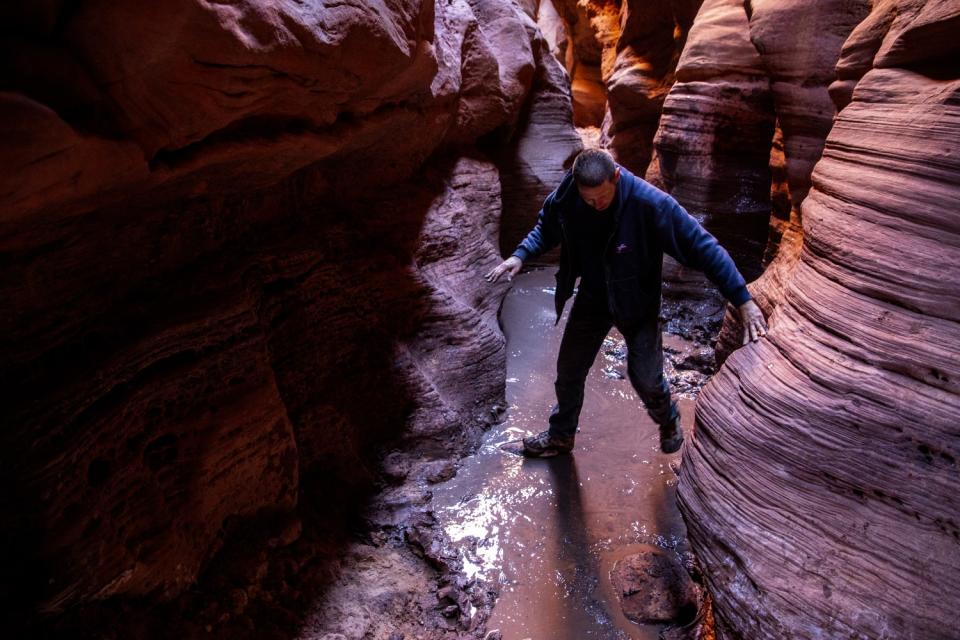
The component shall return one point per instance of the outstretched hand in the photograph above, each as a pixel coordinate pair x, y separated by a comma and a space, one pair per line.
510, 266
754, 326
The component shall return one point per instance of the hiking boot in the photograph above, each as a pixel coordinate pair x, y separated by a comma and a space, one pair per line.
546, 445
671, 436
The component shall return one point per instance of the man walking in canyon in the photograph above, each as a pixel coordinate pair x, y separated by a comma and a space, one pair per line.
614, 228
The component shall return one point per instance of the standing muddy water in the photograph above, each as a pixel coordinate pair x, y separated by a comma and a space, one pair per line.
549, 531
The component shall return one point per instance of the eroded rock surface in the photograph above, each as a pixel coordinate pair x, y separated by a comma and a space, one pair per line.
533, 163
713, 143
799, 46
620, 56
713, 153
821, 489
649, 45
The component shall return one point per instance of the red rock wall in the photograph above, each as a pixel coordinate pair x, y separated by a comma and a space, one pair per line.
590, 31
713, 152
821, 489
800, 75
221, 284
651, 38
532, 163
713, 143
621, 57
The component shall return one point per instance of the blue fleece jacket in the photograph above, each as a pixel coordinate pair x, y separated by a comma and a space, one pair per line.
648, 223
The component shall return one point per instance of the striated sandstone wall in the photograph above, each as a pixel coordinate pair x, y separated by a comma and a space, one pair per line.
800, 75
740, 132
713, 143
229, 275
589, 35
648, 48
713, 152
821, 489
533, 160
620, 56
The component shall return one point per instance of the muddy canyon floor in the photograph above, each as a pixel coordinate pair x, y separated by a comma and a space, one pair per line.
549, 532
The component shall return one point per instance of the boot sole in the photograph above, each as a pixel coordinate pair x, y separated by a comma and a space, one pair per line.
546, 453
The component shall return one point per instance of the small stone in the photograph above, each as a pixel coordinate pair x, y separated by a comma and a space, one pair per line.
439, 471
288, 534
494, 634
451, 611
396, 465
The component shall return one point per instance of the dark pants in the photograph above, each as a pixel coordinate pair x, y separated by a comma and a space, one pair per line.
587, 326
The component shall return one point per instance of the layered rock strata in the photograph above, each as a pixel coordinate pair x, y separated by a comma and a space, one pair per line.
227, 280
533, 160
713, 152
800, 76
713, 143
590, 31
651, 37
620, 56
821, 489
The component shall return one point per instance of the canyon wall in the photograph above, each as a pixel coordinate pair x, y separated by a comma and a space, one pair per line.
800, 76
713, 144
242, 250
713, 153
620, 56
821, 487
652, 35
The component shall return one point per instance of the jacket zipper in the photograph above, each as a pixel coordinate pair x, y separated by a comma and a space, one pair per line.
606, 253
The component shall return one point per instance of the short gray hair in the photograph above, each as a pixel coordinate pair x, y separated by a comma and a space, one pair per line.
593, 167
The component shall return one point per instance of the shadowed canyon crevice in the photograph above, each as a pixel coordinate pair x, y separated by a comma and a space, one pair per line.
245, 332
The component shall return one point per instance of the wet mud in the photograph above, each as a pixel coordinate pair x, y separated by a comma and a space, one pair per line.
548, 532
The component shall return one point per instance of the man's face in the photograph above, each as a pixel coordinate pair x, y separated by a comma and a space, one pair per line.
601, 196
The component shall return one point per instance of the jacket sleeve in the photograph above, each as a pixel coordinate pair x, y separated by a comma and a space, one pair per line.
693, 246
545, 235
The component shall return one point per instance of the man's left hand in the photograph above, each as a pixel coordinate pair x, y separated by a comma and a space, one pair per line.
754, 326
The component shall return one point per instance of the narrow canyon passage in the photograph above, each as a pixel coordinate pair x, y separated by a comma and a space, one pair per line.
549, 531
247, 341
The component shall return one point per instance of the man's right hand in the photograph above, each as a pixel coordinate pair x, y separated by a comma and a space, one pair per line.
754, 326
510, 266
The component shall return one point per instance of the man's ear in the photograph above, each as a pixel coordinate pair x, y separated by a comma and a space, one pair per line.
616, 176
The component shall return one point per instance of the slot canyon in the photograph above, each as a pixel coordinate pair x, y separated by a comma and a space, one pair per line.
255, 384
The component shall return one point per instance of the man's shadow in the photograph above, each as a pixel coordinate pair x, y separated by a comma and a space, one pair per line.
576, 565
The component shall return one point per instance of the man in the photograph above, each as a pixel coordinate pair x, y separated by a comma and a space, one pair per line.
613, 229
